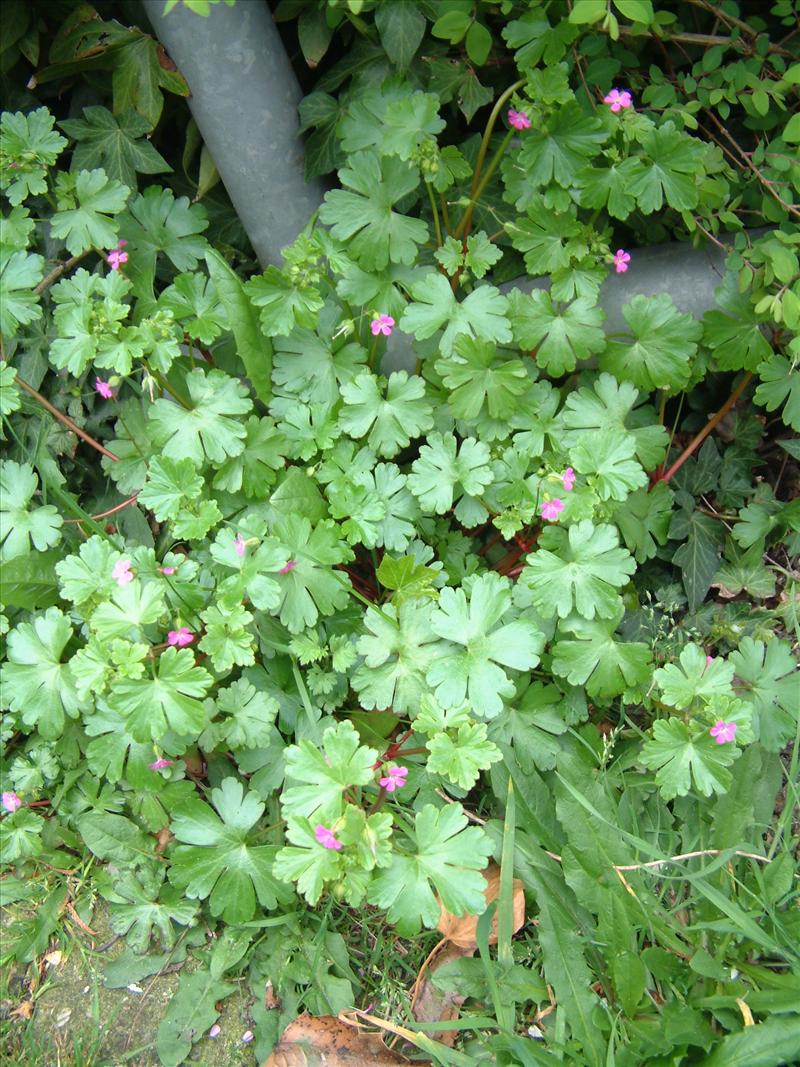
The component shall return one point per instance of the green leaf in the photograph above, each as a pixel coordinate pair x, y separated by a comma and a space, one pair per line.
780, 384
550, 242
23, 527
481, 314
471, 665
208, 430
607, 667
284, 303
558, 336
768, 682
446, 854
30, 581
254, 470
440, 475
579, 569
673, 163
252, 347
193, 301
141, 907
698, 556
607, 460
217, 860
462, 757
481, 254
307, 367
609, 187
227, 640
310, 589
327, 772
535, 39
478, 379
589, 11
30, 146
85, 203
735, 334
398, 648
250, 714
168, 700
558, 151
128, 611
191, 1012
744, 570
35, 683
156, 222
682, 757
388, 423
21, 837
767, 1044
406, 578
362, 212
663, 342
401, 27
114, 838
644, 520
636, 10
478, 43
118, 145
19, 305
694, 679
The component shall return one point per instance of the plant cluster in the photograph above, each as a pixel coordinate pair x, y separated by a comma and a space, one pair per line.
307, 572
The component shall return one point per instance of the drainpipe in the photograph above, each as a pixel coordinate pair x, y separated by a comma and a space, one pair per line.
244, 101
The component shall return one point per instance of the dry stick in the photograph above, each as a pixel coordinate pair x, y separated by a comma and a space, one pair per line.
773, 192
67, 421
62, 268
705, 40
731, 20
698, 439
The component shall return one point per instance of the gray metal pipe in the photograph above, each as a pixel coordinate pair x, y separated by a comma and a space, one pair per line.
244, 101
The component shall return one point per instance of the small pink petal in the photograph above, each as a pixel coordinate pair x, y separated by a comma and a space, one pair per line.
239, 545
160, 764
181, 637
621, 260
518, 120
215, 1030
121, 243
167, 570
10, 801
382, 324
551, 509
104, 389
326, 837
723, 732
121, 573
289, 565
247, 1037
394, 779
568, 479
709, 660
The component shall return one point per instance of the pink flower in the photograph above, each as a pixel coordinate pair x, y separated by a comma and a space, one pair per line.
568, 479
239, 544
621, 260
215, 1030
167, 570
518, 119
10, 801
289, 565
382, 324
618, 100
326, 837
722, 732
116, 257
395, 779
247, 1037
160, 764
709, 660
181, 637
104, 389
551, 509
121, 573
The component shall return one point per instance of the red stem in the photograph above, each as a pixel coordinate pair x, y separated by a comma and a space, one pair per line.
698, 439
67, 421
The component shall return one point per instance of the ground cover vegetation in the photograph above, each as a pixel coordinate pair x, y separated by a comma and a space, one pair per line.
297, 642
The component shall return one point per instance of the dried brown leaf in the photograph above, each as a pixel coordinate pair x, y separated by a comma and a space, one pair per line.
432, 1005
461, 929
317, 1040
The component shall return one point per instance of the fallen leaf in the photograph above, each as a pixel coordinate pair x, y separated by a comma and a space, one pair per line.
461, 929
53, 959
317, 1040
271, 999
163, 837
24, 1010
432, 1005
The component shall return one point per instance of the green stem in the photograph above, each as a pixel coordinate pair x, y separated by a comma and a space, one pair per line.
355, 593
301, 688
445, 213
484, 148
501, 151
698, 439
435, 210
62, 268
162, 381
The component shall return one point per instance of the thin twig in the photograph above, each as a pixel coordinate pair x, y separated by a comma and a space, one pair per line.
62, 268
65, 419
111, 511
689, 856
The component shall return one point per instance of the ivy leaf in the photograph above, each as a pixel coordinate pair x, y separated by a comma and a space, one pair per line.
326, 773
35, 683
481, 314
607, 460
156, 222
401, 28
118, 144
472, 666
606, 666
311, 588
447, 854
398, 648
698, 555
460, 759
663, 343
477, 378
362, 212
442, 472
682, 757
250, 714
579, 569
30, 146
672, 163
694, 679
142, 907
768, 677
609, 405
558, 151
216, 859
21, 526
744, 569
285, 303
170, 699
558, 336
20, 273
389, 423
644, 520
780, 382
209, 430
85, 202
193, 301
